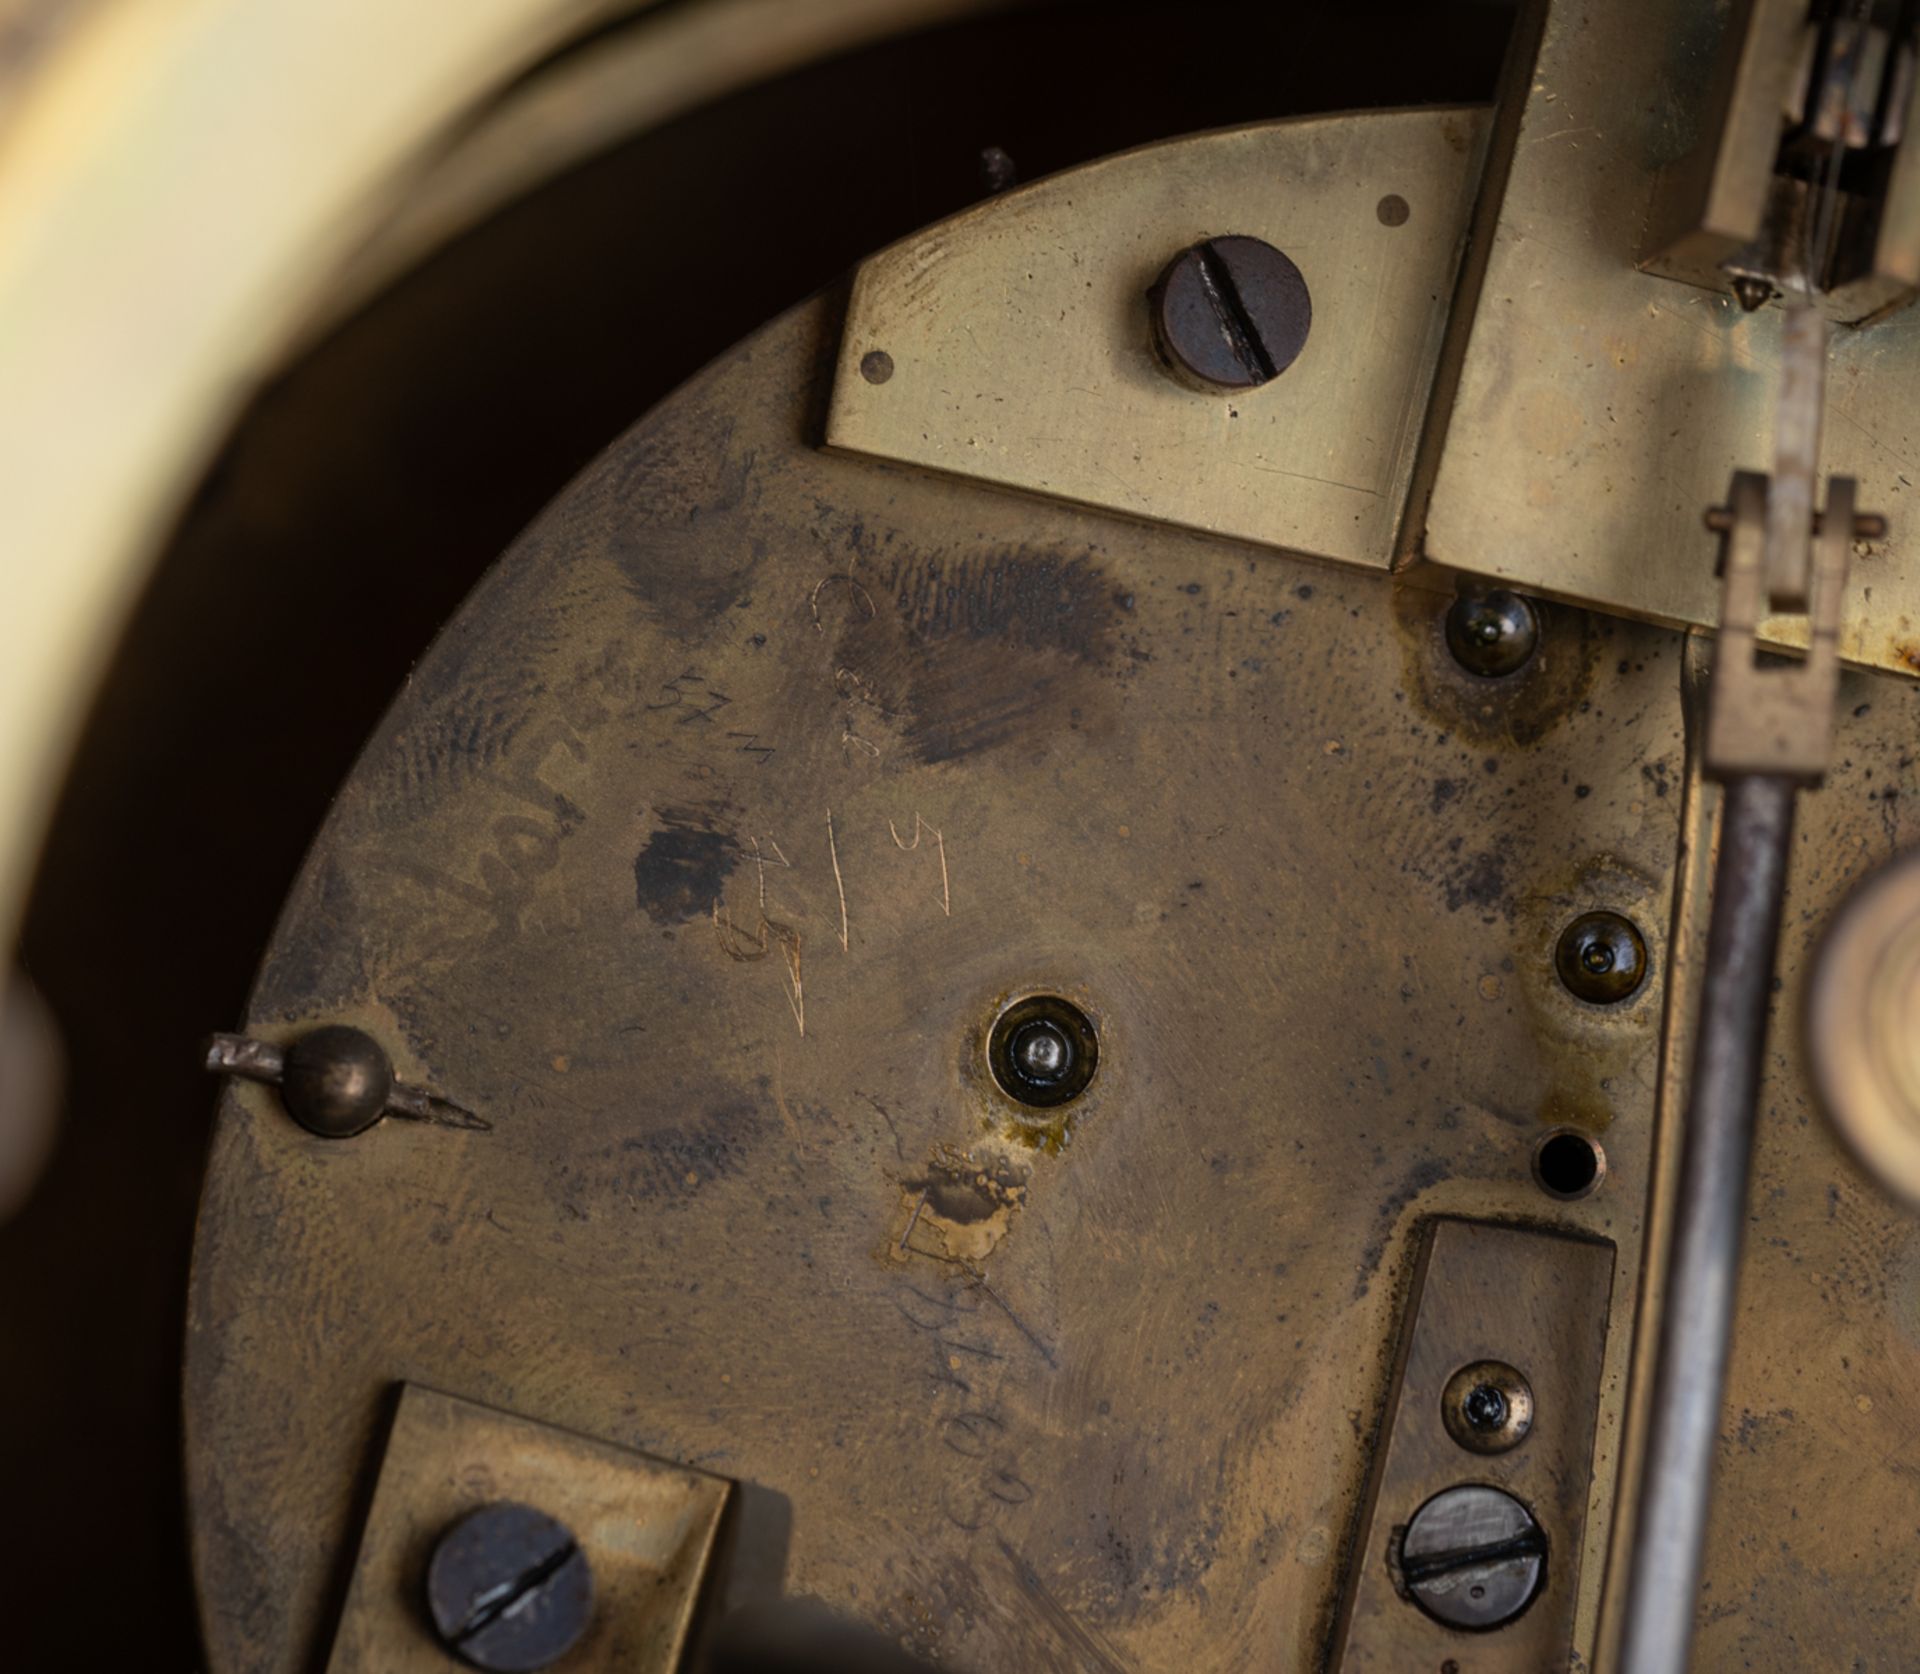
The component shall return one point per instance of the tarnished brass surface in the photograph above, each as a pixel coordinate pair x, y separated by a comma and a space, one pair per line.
646, 1528
1534, 1302
1600, 407
1022, 355
1863, 1024
699, 855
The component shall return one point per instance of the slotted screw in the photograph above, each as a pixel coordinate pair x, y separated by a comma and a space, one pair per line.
1231, 313
509, 1589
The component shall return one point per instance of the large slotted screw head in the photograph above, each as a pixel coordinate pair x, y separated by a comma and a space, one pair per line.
1231, 313
509, 1590
1473, 1557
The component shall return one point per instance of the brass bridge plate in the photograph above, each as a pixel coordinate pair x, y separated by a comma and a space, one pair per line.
1018, 334
647, 1528
1527, 1300
1600, 407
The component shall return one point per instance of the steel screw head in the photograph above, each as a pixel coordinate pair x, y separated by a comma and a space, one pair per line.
1043, 1051
509, 1590
336, 1081
1231, 313
1492, 632
1601, 957
1473, 1557
1487, 1407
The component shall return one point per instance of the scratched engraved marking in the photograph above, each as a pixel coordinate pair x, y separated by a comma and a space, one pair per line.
524, 846
920, 827
767, 933
839, 882
748, 937
748, 948
692, 697
857, 596
981, 1477
854, 690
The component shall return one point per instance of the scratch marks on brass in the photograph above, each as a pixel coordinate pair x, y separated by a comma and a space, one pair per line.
1077, 1638
940, 845
689, 854
839, 883
769, 933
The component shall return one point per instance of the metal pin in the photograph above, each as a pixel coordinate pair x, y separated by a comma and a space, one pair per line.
335, 1081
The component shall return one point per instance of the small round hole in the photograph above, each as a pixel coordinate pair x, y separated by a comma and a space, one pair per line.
1043, 1051
1568, 1164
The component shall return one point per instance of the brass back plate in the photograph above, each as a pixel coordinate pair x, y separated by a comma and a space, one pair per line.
698, 856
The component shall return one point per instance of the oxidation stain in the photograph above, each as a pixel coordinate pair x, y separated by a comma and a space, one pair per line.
964, 654
311, 967
1515, 710
675, 1161
962, 1205
683, 868
1422, 1176
1478, 880
1470, 880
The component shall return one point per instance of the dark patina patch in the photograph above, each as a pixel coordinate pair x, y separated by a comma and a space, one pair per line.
684, 866
969, 653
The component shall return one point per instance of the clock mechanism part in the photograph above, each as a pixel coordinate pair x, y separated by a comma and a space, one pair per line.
1182, 932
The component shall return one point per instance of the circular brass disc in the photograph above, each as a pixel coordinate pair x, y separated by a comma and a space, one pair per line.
698, 858
1864, 1024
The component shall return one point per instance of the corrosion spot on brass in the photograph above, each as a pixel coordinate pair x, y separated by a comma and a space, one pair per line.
1601, 958
1538, 690
962, 1204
